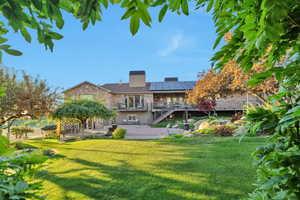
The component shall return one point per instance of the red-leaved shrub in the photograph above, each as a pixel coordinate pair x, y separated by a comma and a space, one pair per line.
236, 117
224, 130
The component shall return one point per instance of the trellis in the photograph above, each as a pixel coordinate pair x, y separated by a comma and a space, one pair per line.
67, 126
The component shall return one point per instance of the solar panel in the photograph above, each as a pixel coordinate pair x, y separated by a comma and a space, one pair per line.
180, 85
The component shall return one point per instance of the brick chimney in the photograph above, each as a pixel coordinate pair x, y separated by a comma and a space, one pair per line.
137, 79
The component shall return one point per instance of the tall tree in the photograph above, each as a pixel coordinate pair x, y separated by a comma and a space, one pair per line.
25, 96
229, 81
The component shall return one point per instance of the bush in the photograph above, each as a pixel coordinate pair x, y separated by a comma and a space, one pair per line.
51, 135
4, 144
49, 128
224, 130
21, 131
175, 136
236, 117
17, 176
21, 145
204, 131
119, 133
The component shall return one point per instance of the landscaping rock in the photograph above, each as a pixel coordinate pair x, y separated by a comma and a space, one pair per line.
205, 124
197, 123
221, 121
175, 126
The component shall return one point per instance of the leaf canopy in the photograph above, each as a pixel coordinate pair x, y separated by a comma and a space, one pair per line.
83, 110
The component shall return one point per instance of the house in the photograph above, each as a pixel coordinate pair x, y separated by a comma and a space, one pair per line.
142, 102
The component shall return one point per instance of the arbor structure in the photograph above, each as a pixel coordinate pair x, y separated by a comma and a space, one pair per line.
82, 110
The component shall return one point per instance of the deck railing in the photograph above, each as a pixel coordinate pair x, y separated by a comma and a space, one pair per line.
171, 105
124, 107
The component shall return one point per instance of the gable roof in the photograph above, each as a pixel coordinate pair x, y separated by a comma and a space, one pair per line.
172, 86
84, 83
125, 88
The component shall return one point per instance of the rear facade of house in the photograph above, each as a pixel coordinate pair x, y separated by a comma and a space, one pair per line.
142, 102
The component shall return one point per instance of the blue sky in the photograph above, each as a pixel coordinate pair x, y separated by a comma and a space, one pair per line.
179, 46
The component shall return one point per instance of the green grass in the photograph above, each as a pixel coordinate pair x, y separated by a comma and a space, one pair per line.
183, 169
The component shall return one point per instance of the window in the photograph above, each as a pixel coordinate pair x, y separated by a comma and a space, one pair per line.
135, 101
87, 96
131, 118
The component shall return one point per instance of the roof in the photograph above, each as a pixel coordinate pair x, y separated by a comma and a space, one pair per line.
125, 88
172, 86
84, 83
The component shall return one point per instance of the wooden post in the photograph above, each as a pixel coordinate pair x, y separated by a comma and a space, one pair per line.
58, 128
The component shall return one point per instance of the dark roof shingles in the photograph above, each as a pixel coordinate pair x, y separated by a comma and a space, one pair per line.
124, 88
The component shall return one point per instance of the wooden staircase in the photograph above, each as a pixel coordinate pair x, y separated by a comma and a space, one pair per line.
163, 116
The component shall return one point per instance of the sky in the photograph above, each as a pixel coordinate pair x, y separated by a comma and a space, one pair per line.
180, 46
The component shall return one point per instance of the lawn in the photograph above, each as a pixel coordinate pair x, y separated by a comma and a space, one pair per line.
186, 169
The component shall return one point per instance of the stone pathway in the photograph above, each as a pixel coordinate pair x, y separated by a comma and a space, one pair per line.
146, 132
134, 132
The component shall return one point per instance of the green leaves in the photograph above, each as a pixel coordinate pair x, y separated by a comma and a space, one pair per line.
162, 13
26, 35
2, 91
185, 7
82, 110
13, 52
134, 24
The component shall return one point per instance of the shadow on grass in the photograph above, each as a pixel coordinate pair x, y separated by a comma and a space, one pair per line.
198, 180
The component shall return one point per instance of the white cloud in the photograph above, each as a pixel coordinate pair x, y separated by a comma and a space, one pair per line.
176, 41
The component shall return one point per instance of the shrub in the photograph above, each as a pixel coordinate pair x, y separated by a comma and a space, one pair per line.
236, 117
224, 130
175, 136
17, 176
204, 131
21, 145
119, 133
51, 135
49, 128
20, 131
4, 144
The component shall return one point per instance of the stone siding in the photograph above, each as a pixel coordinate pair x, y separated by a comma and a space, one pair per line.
142, 117
87, 89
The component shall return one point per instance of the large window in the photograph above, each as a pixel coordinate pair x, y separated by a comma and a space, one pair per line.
134, 101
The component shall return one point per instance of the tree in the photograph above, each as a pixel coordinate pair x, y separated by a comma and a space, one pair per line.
2, 92
25, 96
82, 110
229, 81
